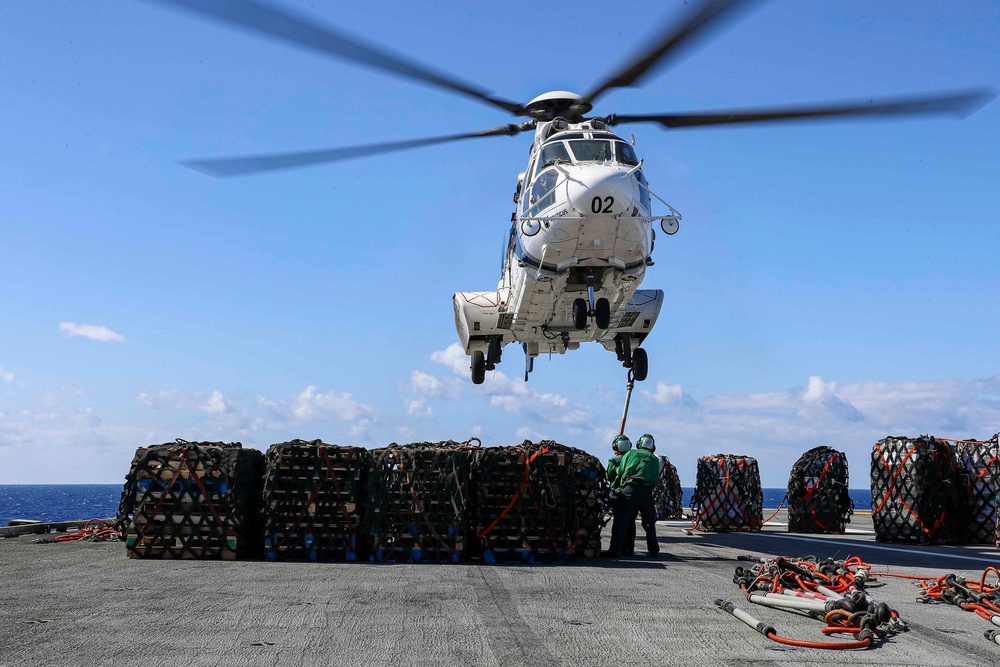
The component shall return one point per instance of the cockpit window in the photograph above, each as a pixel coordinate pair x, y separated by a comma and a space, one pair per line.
552, 153
591, 150
643, 190
625, 153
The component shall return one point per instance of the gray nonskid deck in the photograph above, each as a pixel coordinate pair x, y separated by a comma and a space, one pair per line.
87, 604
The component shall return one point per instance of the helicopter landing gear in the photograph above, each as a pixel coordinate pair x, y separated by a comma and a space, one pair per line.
494, 352
635, 360
579, 314
478, 367
529, 361
640, 364
599, 309
623, 349
602, 313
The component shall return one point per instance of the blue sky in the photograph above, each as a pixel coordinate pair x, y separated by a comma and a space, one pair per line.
832, 283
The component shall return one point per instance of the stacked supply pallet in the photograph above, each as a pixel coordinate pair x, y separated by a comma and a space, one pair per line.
916, 495
524, 505
818, 496
667, 496
192, 500
994, 442
591, 508
979, 475
313, 505
418, 503
728, 495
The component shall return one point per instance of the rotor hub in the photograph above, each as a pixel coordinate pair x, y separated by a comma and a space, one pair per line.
555, 103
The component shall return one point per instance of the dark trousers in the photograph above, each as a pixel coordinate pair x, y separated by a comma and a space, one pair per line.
628, 547
634, 500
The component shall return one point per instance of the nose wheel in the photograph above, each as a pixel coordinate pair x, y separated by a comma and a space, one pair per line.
579, 314
600, 311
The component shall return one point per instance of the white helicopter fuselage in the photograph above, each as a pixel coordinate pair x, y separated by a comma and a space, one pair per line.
577, 250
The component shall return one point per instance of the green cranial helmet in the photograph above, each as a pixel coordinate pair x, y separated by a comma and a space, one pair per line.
646, 442
621, 444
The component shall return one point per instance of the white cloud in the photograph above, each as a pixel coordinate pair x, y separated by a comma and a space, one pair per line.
164, 398
417, 407
454, 358
426, 384
665, 394
216, 404
778, 427
5, 375
312, 406
226, 415
512, 396
93, 332
61, 429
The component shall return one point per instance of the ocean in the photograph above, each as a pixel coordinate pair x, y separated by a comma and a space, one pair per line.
68, 502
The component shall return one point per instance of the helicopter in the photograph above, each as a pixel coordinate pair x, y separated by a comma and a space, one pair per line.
581, 235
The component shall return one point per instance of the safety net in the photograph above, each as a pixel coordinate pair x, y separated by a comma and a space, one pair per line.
192, 500
728, 495
667, 496
314, 502
591, 502
979, 474
419, 502
818, 496
916, 492
524, 504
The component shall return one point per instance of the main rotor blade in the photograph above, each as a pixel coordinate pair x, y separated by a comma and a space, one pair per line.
960, 103
239, 166
710, 15
284, 25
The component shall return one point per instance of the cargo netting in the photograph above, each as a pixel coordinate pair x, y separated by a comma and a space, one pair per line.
728, 495
524, 504
916, 492
667, 496
314, 502
818, 496
591, 501
192, 500
979, 472
995, 443
419, 502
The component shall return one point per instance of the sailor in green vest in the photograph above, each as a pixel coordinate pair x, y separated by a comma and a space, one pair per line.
636, 475
620, 445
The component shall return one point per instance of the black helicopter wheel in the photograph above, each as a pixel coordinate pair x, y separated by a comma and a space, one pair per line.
478, 367
579, 314
640, 364
602, 314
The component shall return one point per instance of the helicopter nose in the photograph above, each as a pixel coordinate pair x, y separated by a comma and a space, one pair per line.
601, 191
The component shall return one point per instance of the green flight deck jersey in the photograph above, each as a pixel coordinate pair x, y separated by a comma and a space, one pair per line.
613, 472
638, 466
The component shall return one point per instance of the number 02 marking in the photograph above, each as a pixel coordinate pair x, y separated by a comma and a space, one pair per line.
602, 206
